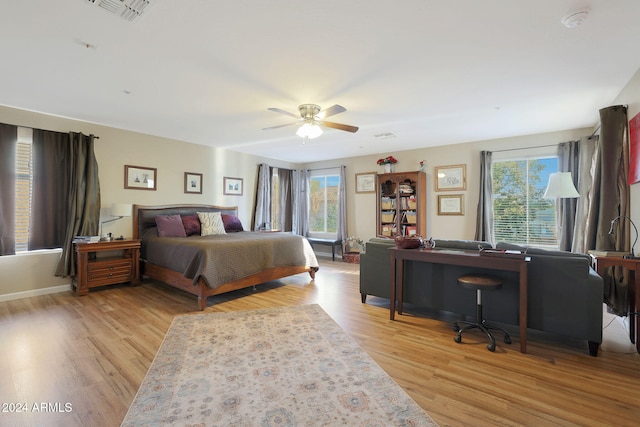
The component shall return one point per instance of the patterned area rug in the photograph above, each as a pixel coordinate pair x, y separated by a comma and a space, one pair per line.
287, 366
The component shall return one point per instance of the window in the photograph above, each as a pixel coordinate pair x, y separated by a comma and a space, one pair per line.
23, 188
521, 214
323, 203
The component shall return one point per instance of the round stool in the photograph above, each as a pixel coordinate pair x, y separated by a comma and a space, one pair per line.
480, 282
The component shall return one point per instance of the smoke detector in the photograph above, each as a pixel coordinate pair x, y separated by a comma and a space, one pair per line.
574, 19
128, 10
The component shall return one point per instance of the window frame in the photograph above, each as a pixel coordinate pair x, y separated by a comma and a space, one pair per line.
328, 172
527, 154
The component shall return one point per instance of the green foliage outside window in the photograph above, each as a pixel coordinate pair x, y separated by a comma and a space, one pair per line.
323, 200
521, 214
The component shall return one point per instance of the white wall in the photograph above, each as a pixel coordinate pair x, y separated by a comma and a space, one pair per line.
115, 149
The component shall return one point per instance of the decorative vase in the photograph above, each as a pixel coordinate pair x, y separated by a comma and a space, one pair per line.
388, 167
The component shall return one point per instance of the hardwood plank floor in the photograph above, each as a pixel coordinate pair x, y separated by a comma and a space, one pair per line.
85, 357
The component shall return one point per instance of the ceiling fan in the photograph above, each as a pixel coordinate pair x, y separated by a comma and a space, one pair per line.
311, 119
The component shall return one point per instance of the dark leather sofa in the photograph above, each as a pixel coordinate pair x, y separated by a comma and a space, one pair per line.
565, 295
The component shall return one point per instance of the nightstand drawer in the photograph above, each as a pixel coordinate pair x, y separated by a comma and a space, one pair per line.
112, 271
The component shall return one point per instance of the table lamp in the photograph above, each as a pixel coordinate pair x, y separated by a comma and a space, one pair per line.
118, 210
611, 231
560, 186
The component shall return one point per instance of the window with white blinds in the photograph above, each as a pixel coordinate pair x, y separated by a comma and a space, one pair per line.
23, 188
521, 214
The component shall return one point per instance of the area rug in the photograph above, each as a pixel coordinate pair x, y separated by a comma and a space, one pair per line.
287, 366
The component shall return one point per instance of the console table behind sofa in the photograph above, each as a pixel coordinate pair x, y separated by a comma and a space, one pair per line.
564, 296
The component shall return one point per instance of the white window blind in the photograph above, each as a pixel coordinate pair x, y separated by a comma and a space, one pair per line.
23, 188
521, 214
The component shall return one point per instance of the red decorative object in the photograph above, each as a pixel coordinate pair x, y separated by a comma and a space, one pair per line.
351, 258
388, 159
634, 150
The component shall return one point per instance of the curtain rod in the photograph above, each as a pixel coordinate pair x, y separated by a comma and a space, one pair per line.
526, 148
321, 169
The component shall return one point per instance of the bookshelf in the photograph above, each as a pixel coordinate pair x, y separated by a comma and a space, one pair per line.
401, 204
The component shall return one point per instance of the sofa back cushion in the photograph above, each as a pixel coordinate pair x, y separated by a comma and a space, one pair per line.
465, 245
539, 251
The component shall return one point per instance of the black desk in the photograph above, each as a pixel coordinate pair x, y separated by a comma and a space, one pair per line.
469, 259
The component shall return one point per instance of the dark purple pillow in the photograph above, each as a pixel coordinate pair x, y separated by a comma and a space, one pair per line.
231, 223
170, 226
191, 224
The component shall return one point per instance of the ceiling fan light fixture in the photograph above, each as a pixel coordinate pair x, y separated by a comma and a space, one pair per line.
309, 131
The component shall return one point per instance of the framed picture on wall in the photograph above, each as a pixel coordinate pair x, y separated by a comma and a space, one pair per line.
451, 178
193, 183
140, 178
366, 182
232, 186
451, 204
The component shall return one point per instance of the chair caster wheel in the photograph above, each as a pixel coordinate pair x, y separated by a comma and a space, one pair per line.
507, 340
491, 347
457, 339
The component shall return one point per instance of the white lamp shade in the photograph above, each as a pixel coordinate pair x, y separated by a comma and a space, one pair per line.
121, 209
560, 186
309, 130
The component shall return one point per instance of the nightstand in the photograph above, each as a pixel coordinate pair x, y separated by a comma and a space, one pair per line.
93, 270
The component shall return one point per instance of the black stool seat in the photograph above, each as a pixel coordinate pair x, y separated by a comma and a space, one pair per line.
480, 282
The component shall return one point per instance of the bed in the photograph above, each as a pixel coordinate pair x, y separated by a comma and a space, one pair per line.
215, 264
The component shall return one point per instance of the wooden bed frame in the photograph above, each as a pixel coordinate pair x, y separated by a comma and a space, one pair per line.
142, 215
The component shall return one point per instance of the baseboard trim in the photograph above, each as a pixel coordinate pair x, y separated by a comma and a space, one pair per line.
35, 292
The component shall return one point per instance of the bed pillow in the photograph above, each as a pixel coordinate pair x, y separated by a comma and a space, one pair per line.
211, 223
231, 223
170, 226
191, 224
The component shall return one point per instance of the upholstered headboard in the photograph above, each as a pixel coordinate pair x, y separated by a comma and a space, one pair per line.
144, 217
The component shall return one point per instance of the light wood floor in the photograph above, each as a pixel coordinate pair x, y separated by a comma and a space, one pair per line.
85, 357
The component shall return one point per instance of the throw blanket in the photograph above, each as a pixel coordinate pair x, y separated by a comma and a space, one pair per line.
222, 258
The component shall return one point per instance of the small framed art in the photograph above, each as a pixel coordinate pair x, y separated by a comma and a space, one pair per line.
140, 178
232, 186
451, 178
366, 182
193, 183
451, 204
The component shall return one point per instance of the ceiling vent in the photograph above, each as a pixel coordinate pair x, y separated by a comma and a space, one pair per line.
127, 9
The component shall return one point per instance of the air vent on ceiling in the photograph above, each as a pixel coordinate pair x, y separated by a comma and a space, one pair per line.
126, 9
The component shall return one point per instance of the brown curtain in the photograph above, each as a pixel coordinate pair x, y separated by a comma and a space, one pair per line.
51, 157
67, 189
8, 139
84, 198
286, 207
614, 200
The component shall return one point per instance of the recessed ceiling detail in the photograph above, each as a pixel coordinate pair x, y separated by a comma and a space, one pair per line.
127, 9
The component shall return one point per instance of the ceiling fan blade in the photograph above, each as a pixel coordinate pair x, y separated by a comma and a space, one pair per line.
331, 111
277, 110
281, 126
339, 126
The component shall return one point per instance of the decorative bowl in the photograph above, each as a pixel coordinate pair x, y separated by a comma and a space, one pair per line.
408, 242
